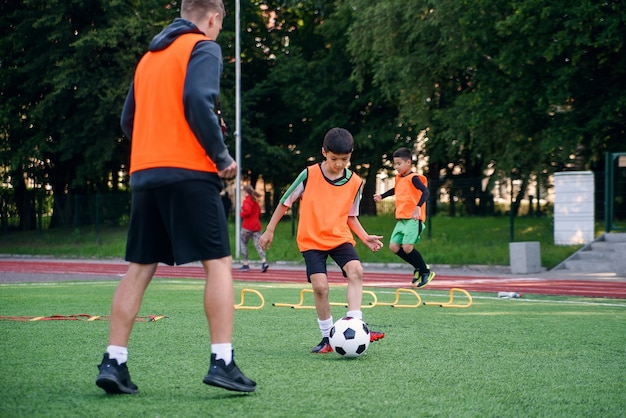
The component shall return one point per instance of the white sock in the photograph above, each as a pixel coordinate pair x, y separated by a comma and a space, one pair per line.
223, 352
325, 326
355, 314
118, 353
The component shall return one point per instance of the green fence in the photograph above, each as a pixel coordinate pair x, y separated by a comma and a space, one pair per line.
615, 192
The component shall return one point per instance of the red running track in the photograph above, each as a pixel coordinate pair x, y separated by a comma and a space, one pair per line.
542, 286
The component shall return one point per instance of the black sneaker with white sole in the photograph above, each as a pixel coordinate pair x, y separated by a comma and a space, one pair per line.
228, 377
114, 378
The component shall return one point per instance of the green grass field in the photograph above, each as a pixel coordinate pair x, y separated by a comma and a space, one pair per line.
534, 357
454, 241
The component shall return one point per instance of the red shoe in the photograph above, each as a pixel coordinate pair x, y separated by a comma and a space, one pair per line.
376, 335
323, 347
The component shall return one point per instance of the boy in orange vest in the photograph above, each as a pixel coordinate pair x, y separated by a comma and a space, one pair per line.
329, 196
411, 191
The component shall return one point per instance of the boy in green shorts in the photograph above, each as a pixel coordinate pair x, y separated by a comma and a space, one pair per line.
411, 191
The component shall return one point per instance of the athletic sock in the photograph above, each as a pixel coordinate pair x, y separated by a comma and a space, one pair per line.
404, 256
223, 351
355, 314
417, 261
118, 353
325, 326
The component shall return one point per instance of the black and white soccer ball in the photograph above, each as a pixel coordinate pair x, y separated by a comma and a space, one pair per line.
349, 337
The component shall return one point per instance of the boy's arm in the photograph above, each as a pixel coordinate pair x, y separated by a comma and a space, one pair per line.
291, 195
371, 241
423, 199
379, 197
268, 235
419, 185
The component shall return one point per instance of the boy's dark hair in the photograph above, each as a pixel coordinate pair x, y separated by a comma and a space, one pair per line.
338, 141
403, 153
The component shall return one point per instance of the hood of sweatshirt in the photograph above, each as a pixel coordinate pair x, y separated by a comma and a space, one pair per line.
168, 35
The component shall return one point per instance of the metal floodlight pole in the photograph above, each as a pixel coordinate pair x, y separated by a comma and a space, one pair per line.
237, 127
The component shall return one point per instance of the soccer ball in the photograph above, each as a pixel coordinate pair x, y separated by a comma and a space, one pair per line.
349, 337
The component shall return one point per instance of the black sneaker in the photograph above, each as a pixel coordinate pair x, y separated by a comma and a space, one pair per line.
416, 276
228, 377
323, 347
114, 378
244, 268
264, 267
426, 278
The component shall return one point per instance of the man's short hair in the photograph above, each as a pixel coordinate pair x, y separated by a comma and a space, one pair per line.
194, 10
338, 141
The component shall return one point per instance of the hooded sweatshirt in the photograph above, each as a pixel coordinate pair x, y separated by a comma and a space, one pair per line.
200, 91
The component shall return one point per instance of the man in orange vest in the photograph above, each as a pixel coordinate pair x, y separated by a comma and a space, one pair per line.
178, 159
411, 191
329, 194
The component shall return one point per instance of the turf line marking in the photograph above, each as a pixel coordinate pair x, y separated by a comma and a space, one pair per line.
295, 285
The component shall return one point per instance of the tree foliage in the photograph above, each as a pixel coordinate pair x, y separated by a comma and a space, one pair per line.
63, 90
484, 86
511, 86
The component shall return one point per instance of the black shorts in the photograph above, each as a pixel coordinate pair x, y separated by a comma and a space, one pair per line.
315, 260
177, 224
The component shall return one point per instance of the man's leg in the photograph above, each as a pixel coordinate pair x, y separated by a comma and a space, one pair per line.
219, 306
219, 299
113, 374
127, 301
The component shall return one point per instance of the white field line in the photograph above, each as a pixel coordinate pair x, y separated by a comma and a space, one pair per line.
240, 285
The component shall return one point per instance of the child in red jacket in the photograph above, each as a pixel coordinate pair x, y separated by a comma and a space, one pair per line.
251, 228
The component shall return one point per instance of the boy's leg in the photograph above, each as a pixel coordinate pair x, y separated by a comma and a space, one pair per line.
403, 255
315, 261
411, 231
413, 257
406, 232
354, 273
319, 283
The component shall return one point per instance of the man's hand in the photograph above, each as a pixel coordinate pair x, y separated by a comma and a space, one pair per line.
229, 172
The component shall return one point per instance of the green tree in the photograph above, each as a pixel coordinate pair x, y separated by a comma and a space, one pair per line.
63, 91
511, 87
309, 90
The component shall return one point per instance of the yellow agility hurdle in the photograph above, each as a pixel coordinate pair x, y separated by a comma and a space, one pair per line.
395, 303
301, 305
450, 303
243, 293
296, 305
373, 295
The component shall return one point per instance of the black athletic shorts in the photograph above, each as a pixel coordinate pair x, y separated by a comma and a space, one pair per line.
315, 260
178, 224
